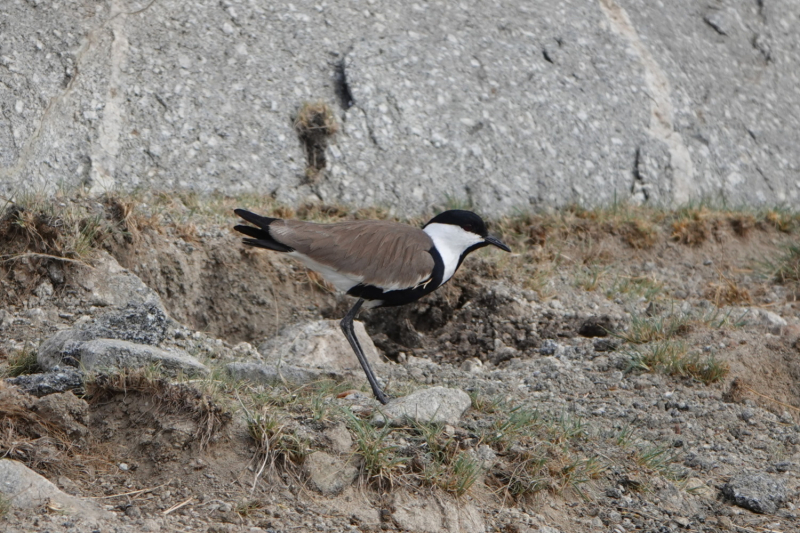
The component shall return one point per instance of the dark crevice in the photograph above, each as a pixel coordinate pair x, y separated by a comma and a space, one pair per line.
547, 57
762, 45
637, 175
762, 10
341, 86
766, 179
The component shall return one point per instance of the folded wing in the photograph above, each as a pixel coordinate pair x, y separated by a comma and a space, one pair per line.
385, 254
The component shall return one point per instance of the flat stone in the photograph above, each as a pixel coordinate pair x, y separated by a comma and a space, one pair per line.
698, 487
105, 354
773, 321
437, 405
25, 489
275, 375
339, 438
319, 344
58, 379
434, 515
758, 492
142, 323
111, 285
329, 474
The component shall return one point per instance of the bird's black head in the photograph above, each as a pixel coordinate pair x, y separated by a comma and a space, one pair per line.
466, 220
469, 222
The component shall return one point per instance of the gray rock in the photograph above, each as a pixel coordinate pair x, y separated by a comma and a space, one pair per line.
339, 438
110, 285
142, 323
25, 489
503, 105
61, 349
274, 375
137, 322
773, 321
437, 405
107, 354
319, 344
484, 455
757, 492
329, 474
58, 379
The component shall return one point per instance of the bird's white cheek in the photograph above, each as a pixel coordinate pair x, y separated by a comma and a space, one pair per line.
451, 241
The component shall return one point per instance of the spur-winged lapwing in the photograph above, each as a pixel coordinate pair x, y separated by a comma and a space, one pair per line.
379, 262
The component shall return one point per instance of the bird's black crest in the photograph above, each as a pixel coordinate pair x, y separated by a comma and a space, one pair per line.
467, 220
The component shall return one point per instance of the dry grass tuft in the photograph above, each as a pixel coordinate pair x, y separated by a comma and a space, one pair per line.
727, 292
742, 223
640, 234
315, 123
785, 268
783, 220
692, 226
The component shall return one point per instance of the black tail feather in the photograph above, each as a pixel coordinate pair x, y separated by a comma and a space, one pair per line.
261, 237
258, 220
250, 231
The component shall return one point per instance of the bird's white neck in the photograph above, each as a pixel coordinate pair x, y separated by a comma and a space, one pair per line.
451, 241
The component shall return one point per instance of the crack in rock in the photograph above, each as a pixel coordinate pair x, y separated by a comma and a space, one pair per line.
661, 125
105, 150
110, 129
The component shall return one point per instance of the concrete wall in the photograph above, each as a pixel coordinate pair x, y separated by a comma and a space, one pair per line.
502, 104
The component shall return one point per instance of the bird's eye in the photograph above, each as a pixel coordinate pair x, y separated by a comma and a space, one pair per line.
469, 227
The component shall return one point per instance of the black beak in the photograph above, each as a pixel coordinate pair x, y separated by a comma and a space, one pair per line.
491, 239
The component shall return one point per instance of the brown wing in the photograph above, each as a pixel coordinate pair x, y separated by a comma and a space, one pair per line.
386, 254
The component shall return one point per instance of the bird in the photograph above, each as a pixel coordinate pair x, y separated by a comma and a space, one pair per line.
381, 263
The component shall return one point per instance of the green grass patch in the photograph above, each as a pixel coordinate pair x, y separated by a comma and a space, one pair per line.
636, 286
644, 329
21, 363
538, 452
381, 460
785, 267
674, 358
660, 458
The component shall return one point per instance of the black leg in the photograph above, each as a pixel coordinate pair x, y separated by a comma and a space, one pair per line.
350, 333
